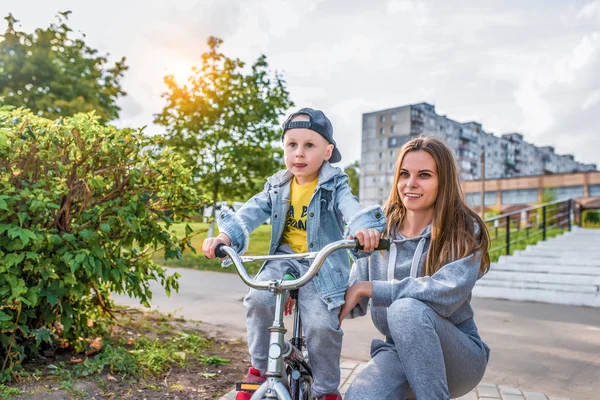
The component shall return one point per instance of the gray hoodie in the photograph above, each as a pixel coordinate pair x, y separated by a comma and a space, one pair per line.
398, 273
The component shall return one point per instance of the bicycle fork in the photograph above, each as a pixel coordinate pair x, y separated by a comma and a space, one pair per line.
281, 350
273, 387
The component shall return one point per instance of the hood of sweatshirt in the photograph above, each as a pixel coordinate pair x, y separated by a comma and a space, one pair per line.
414, 249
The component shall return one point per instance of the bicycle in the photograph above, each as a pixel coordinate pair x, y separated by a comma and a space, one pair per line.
291, 352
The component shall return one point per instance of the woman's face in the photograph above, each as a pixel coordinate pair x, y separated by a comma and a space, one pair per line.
418, 182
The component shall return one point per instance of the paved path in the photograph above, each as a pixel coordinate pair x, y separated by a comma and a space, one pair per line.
552, 349
484, 391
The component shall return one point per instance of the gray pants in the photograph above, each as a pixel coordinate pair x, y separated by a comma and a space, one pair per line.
324, 338
427, 357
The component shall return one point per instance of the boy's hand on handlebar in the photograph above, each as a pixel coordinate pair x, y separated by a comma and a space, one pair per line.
289, 306
368, 238
209, 245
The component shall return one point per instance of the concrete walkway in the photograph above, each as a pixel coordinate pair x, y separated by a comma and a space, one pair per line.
484, 391
547, 348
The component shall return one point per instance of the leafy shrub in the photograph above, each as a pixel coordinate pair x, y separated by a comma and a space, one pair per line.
82, 208
592, 217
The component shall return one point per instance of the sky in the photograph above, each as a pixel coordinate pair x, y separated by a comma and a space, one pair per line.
514, 66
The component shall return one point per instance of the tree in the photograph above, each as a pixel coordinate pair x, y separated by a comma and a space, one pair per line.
55, 74
353, 172
224, 122
82, 208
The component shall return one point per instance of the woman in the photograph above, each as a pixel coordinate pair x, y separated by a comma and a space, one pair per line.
420, 290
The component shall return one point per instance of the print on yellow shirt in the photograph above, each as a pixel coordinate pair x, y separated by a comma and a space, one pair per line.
295, 227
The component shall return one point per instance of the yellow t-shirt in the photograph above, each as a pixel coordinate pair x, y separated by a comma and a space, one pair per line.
294, 233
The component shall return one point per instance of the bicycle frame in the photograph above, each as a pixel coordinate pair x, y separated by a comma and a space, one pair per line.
279, 347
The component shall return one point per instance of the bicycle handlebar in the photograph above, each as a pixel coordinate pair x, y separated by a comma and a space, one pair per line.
225, 251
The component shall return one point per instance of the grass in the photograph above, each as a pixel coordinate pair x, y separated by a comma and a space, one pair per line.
134, 358
260, 238
590, 225
519, 239
7, 392
155, 353
259, 244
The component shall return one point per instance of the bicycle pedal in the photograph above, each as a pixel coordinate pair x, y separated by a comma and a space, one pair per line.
247, 386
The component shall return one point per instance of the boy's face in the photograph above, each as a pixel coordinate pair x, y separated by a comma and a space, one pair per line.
304, 152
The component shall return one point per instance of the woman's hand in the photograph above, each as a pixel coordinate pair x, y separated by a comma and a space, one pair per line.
353, 296
368, 238
209, 244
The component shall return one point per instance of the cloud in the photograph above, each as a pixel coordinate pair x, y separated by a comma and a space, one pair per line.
403, 6
590, 11
591, 100
513, 66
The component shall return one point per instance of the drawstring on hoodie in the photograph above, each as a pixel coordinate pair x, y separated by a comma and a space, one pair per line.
414, 268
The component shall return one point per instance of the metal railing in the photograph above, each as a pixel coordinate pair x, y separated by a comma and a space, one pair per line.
515, 230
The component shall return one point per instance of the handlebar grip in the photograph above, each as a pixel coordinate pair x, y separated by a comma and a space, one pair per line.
384, 244
219, 252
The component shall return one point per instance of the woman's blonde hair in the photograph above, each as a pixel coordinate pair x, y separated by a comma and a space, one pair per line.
453, 233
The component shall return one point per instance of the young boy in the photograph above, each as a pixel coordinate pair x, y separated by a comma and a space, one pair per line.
309, 204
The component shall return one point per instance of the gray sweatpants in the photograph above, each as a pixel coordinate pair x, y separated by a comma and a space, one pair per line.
324, 338
427, 357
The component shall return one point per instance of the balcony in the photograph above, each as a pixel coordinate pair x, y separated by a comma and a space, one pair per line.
468, 135
550, 167
416, 128
416, 115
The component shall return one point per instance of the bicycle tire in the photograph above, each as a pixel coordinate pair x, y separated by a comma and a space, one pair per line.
301, 387
306, 388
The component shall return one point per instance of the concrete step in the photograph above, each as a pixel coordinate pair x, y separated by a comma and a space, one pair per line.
546, 268
539, 277
540, 293
590, 250
555, 250
591, 246
564, 270
552, 287
553, 259
584, 231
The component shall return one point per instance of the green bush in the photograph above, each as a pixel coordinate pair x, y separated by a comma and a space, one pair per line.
82, 209
591, 217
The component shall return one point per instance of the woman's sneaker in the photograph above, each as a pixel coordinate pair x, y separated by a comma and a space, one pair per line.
252, 382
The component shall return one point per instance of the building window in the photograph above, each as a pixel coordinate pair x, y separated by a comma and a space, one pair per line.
392, 166
382, 131
393, 128
382, 118
474, 199
381, 167
392, 153
567, 192
519, 196
380, 155
594, 190
393, 117
381, 143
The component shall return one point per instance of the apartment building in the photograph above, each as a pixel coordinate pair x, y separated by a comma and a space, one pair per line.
384, 132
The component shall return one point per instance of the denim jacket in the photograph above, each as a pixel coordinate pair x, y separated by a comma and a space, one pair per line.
331, 208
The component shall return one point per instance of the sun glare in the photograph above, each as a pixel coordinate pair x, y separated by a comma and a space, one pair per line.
180, 69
